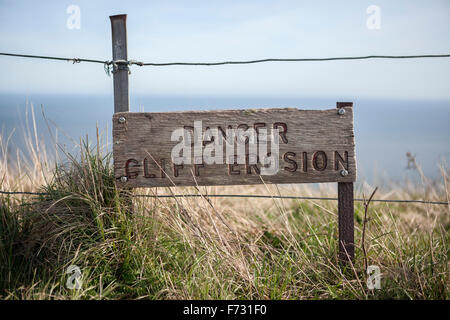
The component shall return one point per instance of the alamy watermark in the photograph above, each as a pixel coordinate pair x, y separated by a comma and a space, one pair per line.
74, 19
374, 19
74, 279
373, 277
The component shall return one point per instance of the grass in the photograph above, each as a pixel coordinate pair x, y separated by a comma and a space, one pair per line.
192, 248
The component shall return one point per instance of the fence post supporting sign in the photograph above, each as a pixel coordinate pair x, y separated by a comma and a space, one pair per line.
120, 78
120, 65
346, 213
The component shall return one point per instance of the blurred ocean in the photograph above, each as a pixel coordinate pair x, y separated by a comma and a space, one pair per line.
385, 130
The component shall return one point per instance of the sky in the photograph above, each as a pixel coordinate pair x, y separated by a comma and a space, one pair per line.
164, 31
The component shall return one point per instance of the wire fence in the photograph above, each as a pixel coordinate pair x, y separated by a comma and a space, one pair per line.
108, 64
243, 196
113, 64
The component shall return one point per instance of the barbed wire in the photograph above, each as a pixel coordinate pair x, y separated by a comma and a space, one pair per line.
243, 196
74, 60
108, 63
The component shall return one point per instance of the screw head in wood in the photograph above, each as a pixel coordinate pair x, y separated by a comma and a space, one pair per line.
122, 120
341, 111
123, 179
344, 173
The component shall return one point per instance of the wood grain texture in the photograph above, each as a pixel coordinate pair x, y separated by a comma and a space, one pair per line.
346, 221
145, 138
346, 213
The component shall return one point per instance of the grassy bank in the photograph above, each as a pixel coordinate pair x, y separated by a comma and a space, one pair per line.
201, 248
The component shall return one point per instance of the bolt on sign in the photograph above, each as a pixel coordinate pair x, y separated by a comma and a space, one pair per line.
233, 147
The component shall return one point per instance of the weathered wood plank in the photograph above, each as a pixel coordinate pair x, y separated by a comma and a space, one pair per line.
346, 221
346, 213
324, 138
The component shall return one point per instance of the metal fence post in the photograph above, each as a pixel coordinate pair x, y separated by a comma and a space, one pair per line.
120, 71
120, 79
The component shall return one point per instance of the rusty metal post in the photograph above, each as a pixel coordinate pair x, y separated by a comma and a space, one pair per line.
346, 214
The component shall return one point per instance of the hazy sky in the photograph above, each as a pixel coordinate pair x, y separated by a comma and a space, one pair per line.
162, 31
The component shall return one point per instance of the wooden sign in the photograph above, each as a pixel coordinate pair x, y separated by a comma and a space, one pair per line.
305, 146
312, 146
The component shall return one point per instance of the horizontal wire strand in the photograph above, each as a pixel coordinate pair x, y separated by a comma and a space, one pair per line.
134, 62
74, 60
294, 60
243, 196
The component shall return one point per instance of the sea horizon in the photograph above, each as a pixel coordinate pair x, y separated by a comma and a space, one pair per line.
385, 129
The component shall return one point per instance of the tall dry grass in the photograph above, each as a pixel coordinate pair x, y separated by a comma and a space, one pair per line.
206, 248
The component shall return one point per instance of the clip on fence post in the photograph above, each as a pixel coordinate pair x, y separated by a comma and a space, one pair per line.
346, 213
120, 76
